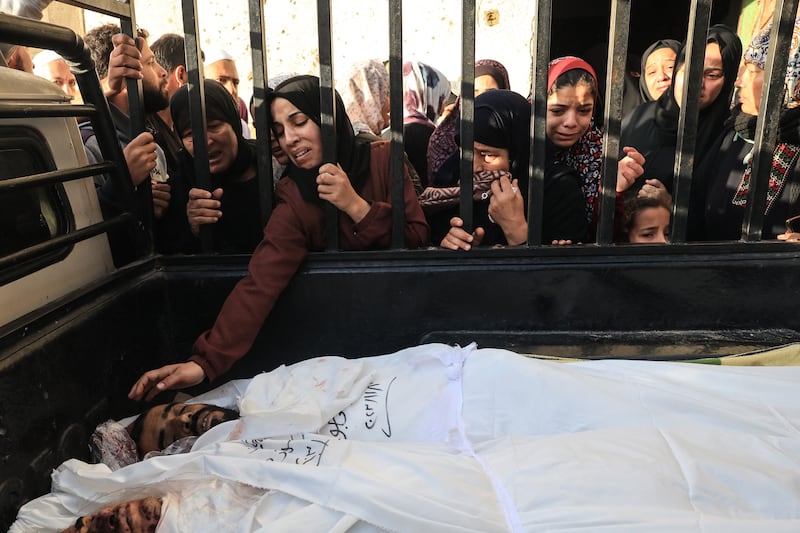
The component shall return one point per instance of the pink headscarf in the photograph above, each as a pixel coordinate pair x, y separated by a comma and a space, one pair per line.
564, 64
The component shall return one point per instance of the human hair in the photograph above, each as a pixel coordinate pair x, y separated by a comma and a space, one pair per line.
170, 51
572, 78
98, 41
136, 428
635, 204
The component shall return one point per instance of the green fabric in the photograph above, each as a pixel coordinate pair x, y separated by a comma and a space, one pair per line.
787, 355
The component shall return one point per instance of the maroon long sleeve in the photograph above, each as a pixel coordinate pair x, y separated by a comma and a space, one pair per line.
294, 228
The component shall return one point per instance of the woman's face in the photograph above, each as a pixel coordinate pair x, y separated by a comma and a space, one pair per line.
221, 142
299, 136
490, 158
713, 77
485, 83
569, 113
750, 84
658, 71
650, 226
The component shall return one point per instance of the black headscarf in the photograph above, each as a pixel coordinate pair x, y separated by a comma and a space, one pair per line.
352, 154
711, 119
503, 120
673, 45
219, 106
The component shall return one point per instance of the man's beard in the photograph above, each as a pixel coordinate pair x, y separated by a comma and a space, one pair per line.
227, 414
154, 98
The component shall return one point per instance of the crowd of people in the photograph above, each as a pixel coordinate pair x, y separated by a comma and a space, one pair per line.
161, 161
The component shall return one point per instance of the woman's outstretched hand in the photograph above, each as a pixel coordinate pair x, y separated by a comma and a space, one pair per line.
169, 377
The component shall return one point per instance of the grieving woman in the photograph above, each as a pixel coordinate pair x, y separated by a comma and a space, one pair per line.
502, 146
424, 92
652, 128
358, 184
658, 66
573, 138
721, 184
443, 156
232, 204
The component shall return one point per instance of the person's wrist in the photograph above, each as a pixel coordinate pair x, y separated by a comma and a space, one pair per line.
518, 234
358, 210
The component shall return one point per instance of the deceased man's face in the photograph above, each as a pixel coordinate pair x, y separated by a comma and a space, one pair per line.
164, 424
137, 516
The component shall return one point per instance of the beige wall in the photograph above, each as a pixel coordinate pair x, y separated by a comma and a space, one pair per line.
432, 33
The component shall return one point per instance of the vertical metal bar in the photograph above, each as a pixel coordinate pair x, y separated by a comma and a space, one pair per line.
197, 109
396, 116
261, 115
540, 54
135, 97
768, 117
699, 16
467, 133
619, 29
615, 81
327, 102
136, 116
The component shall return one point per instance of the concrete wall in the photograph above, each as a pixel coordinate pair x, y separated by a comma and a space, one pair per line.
431, 33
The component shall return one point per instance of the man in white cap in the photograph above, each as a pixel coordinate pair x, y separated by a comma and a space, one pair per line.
51, 66
219, 65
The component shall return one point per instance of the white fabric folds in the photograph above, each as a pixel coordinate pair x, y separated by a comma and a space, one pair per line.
442, 438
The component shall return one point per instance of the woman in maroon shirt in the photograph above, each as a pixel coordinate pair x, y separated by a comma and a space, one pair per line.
358, 184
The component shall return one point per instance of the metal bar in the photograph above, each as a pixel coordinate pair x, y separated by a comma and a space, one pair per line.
43, 110
770, 109
396, 116
54, 244
55, 176
327, 101
136, 117
197, 109
116, 8
467, 133
615, 82
134, 86
66, 43
699, 17
540, 52
261, 115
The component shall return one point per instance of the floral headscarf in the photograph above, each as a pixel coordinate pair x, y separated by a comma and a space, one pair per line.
424, 92
364, 95
756, 54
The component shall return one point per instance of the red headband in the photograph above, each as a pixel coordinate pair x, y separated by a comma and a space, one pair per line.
563, 64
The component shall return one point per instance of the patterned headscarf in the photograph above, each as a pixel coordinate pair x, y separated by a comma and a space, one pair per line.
756, 54
424, 93
786, 154
495, 69
442, 144
364, 95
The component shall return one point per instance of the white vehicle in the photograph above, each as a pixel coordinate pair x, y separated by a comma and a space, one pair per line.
35, 215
